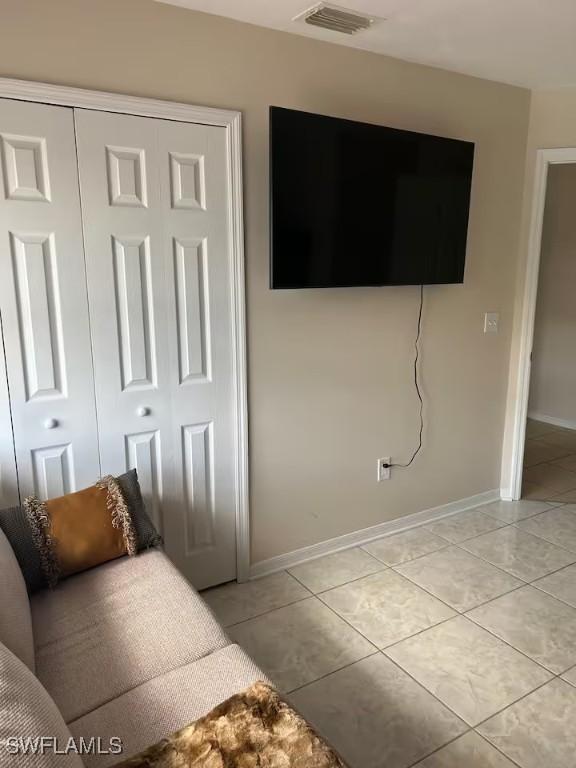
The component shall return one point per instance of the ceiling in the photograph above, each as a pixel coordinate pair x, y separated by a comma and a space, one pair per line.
525, 42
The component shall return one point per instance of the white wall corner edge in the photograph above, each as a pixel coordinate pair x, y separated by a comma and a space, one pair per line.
366, 535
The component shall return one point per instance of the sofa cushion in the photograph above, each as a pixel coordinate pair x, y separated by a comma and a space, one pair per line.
15, 616
27, 711
106, 631
161, 706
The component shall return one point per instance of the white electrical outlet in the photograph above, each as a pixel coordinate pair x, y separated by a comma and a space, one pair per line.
491, 322
383, 470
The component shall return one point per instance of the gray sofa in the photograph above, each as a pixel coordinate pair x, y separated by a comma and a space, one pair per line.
125, 650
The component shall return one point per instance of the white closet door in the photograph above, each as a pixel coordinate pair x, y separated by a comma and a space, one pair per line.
43, 301
155, 199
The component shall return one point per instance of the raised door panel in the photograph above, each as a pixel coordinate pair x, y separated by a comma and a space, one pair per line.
201, 533
192, 305
36, 289
143, 453
199, 508
123, 230
43, 301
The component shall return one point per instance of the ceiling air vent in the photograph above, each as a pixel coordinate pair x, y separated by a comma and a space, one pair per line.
336, 19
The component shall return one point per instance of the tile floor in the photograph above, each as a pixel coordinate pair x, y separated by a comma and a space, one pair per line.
549, 463
452, 645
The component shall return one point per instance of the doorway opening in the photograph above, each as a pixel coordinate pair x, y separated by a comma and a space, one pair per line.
543, 461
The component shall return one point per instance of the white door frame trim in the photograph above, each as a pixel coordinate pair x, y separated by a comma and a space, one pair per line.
514, 462
231, 120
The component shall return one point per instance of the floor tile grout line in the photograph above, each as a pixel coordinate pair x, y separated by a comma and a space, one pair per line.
335, 554
270, 610
453, 608
509, 573
486, 719
555, 466
418, 557
551, 462
476, 535
332, 672
342, 618
552, 573
498, 567
512, 704
567, 681
419, 632
497, 748
553, 543
526, 517
461, 736
357, 578
442, 746
362, 547
502, 640
555, 459
485, 629
428, 691
560, 599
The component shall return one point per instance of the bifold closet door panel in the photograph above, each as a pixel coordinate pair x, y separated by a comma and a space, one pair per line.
121, 204
155, 198
43, 302
196, 199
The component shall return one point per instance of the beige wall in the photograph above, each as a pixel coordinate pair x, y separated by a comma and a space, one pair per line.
330, 386
553, 374
552, 124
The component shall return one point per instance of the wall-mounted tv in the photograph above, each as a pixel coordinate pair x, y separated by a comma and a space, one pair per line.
354, 204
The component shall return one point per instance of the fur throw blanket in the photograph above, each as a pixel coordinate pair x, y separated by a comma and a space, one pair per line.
253, 729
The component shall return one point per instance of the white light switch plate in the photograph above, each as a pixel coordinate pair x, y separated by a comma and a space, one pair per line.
491, 322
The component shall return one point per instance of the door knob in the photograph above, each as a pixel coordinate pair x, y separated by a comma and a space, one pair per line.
50, 423
143, 410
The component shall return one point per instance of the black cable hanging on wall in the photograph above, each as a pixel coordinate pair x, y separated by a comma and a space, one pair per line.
416, 385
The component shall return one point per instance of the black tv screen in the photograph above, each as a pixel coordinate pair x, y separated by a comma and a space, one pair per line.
354, 204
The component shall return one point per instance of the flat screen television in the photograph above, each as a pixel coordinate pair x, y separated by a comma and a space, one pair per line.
353, 204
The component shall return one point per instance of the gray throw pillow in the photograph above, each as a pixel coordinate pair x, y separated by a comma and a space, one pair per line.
146, 534
14, 523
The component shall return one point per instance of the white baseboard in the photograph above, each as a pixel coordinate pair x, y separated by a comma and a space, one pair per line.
556, 422
365, 535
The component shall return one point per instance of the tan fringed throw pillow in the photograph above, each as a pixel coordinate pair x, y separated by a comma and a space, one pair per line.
80, 530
